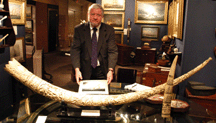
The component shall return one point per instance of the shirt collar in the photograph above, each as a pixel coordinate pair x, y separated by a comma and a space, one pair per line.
96, 27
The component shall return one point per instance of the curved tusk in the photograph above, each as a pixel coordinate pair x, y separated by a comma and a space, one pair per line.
59, 94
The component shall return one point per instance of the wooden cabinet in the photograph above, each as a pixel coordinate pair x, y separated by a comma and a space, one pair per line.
6, 28
124, 52
144, 56
206, 101
150, 78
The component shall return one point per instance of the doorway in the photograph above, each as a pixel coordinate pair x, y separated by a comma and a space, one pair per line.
52, 29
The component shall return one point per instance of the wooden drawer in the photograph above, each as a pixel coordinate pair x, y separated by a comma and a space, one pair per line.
124, 52
149, 79
206, 101
144, 56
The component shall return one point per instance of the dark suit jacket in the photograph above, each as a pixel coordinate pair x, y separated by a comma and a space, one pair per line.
81, 49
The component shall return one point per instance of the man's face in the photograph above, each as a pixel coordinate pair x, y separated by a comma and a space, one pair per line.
95, 17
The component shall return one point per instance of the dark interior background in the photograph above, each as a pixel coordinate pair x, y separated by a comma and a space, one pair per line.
196, 46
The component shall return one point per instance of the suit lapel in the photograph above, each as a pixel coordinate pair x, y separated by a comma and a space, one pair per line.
87, 35
102, 35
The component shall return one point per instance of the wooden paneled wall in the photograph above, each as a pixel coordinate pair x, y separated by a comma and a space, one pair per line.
71, 13
41, 26
54, 2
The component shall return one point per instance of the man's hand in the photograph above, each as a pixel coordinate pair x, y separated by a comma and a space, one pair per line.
78, 75
110, 76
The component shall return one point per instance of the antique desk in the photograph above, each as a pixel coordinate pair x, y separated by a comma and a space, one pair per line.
140, 111
158, 75
124, 54
206, 101
140, 57
145, 56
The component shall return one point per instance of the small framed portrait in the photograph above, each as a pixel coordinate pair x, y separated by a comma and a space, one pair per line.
28, 12
113, 4
29, 26
115, 19
29, 38
17, 12
150, 33
151, 12
18, 50
119, 37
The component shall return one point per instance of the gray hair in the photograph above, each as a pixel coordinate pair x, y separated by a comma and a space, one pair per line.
95, 6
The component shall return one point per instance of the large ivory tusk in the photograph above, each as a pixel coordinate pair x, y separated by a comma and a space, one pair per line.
56, 93
166, 106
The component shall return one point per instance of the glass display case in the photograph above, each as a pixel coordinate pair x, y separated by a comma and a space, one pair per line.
140, 111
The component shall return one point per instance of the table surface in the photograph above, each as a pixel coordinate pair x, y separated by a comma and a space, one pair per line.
140, 111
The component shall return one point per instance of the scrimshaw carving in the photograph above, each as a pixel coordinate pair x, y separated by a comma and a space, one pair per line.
166, 106
56, 93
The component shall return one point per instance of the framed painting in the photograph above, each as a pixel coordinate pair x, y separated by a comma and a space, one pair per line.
18, 50
171, 20
17, 12
151, 12
113, 4
119, 37
150, 33
115, 19
175, 21
28, 12
29, 38
24, 110
29, 26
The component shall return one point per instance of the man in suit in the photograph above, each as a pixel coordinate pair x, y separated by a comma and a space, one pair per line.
83, 49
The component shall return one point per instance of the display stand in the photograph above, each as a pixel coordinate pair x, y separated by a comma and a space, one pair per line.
87, 112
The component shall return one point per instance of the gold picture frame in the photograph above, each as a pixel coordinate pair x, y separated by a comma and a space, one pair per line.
29, 26
151, 12
29, 38
175, 21
171, 20
115, 19
17, 12
18, 50
24, 110
113, 4
28, 12
119, 37
150, 33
